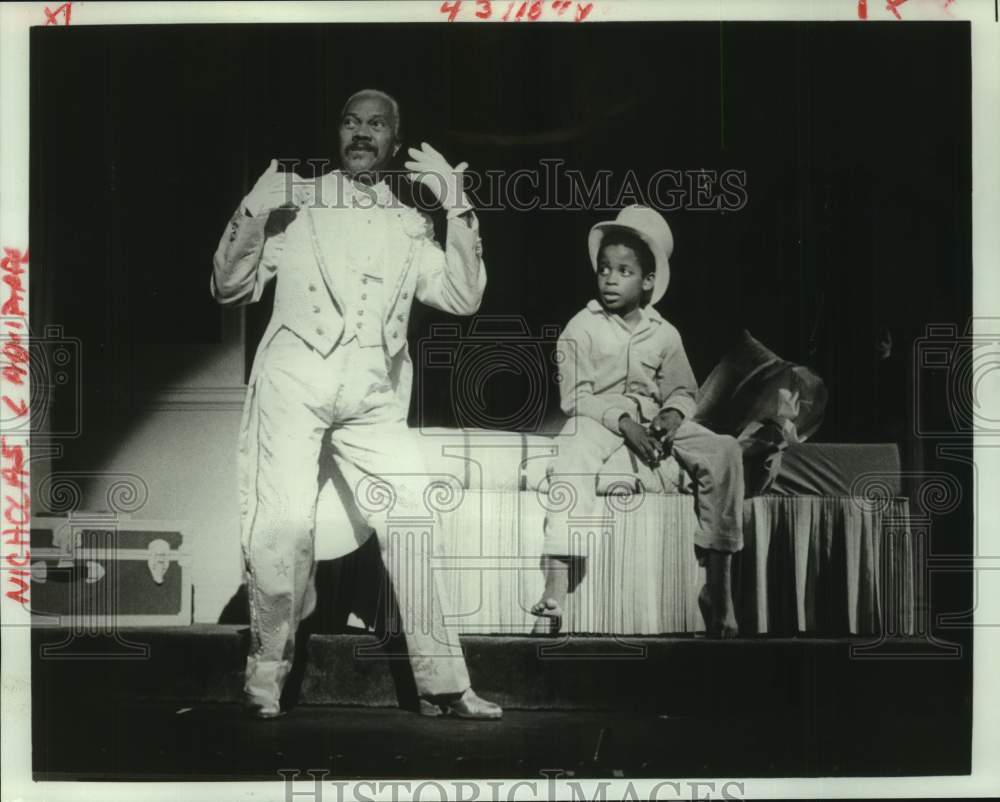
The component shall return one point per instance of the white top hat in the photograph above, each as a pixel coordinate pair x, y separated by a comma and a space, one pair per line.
649, 225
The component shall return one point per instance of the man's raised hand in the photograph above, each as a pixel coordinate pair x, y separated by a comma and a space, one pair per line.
431, 169
269, 193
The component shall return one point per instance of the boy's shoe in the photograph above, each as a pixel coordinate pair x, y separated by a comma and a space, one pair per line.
468, 705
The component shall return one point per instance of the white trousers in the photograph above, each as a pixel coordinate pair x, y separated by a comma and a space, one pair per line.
296, 397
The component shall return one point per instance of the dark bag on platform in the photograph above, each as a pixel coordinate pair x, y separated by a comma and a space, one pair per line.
765, 402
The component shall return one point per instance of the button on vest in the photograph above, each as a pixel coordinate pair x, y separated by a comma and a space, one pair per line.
363, 288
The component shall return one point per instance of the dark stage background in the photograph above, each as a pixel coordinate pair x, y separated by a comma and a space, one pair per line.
855, 139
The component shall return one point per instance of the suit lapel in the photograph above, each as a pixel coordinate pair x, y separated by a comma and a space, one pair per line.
329, 260
397, 257
329, 228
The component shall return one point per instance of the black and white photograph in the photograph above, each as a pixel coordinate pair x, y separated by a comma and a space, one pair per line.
415, 400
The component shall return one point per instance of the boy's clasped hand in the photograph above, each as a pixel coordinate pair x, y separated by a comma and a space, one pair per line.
652, 444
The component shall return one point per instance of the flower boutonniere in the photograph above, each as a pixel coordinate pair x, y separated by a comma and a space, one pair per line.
414, 223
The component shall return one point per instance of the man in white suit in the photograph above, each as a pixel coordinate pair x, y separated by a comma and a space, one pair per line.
333, 362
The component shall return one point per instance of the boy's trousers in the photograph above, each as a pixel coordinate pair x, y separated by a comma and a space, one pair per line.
294, 399
713, 461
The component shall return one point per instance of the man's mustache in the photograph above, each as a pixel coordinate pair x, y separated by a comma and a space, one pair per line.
361, 145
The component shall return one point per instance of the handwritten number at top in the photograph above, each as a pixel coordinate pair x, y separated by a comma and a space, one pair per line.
526, 9
451, 9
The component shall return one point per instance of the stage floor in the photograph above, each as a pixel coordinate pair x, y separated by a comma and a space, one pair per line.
688, 707
218, 742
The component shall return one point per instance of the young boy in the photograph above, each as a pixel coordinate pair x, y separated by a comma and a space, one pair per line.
625, 380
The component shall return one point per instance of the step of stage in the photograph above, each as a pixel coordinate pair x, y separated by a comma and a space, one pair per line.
204, 664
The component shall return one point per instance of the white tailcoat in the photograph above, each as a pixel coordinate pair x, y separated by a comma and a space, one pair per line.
306, 301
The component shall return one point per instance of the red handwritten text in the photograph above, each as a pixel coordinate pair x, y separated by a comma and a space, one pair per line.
516, 10
17, 520
12, 265
18, 577
13, 470
893, 6
451, 9
15, 355
52, 17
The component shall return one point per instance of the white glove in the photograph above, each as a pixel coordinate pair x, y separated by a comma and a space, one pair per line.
431, 169
269, 193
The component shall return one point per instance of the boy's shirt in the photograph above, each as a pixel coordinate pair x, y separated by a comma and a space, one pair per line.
607, 370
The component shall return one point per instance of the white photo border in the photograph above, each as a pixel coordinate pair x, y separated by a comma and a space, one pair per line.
15, 23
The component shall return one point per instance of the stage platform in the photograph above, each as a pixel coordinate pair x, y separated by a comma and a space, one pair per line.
204, 663
163, 704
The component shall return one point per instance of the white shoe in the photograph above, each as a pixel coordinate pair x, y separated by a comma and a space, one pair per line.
468, 705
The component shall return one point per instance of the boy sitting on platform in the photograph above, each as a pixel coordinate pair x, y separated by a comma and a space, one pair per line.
625, 380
